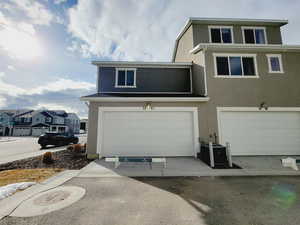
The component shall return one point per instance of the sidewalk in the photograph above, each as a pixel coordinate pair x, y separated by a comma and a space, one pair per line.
186, 167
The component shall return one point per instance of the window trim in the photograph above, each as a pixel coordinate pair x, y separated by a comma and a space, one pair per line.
269, 56
220, 27
215, 55
253, 28
117, 75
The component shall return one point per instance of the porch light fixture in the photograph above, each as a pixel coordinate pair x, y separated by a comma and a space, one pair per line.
263, 105
148, 106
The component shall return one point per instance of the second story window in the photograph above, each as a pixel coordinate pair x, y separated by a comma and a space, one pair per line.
275, 64
234, 66
254, 35
220, 34
125, 78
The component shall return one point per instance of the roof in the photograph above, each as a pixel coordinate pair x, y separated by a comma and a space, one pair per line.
276, 48
25, 114
225, 21
143, 64
40, 125
114, 97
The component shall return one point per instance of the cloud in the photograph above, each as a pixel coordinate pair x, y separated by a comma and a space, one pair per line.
61, 94
146, 30
57, 2
32, 9
10, 67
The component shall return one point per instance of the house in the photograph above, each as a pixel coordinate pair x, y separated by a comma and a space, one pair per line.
58, 124
6, 123
230, 80
73, 123
41, 122
22, 123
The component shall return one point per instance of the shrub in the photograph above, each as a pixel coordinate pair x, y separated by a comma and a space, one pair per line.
48, 158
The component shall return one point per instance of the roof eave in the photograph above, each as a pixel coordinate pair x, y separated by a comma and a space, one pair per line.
145, 99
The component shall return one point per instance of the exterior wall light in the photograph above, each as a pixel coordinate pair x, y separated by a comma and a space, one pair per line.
263, 105
148, 106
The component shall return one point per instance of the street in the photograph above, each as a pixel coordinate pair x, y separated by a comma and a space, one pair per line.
22, 147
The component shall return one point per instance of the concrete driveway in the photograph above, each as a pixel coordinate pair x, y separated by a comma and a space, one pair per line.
179, 201
23, 147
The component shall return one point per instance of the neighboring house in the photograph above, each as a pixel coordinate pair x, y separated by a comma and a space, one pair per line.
73, 123
230, 80
41, 122
6, 123
22, 123
58, 125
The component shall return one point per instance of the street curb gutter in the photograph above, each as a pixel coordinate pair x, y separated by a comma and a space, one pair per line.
8, 205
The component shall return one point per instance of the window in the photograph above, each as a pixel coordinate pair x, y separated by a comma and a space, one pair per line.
235, 66
220, 34
275, 64
254, 35
125, 78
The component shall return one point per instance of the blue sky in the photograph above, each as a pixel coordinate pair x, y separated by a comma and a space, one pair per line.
46, 45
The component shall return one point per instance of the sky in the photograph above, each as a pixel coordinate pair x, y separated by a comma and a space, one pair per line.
46, 46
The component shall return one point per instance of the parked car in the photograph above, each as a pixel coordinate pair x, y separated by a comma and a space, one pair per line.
57, 139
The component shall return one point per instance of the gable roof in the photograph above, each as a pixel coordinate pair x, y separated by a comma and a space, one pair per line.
225, 21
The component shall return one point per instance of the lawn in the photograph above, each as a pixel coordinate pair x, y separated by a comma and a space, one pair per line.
26, 175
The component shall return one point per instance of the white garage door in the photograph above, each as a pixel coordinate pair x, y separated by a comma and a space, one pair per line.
21, 131
159, 132
261, 132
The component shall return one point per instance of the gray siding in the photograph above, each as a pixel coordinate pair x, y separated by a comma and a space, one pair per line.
148, 80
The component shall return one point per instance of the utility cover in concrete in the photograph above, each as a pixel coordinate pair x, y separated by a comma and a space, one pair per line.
49, 201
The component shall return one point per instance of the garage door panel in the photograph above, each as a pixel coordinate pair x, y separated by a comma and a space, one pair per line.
153, 133
261, 133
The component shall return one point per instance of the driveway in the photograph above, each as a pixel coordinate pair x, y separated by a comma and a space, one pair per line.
22, 147
178, 201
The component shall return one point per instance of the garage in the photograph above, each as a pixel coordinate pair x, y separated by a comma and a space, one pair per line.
21, 131
133, 131
251, 131
39, 129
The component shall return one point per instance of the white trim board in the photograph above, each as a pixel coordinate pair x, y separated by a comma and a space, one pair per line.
102, 110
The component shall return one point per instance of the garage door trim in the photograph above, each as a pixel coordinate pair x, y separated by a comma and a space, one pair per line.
194, 110
250, 109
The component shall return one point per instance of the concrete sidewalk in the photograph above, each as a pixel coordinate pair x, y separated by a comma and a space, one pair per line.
188, 167
9, 204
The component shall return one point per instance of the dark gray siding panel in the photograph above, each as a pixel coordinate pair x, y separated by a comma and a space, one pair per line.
148, 80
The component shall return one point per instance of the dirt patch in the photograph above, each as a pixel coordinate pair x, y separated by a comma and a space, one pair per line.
26, 175
62, 160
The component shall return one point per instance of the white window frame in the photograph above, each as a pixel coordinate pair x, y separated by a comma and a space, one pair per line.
269, 56
215, 55
117, 75
220, 27
254, 28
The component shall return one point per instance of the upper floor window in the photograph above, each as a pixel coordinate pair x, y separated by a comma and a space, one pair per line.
275, 64
220, 34
254, 35
234, 66
125, 78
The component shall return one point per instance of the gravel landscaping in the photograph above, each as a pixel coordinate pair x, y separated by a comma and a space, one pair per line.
62, 159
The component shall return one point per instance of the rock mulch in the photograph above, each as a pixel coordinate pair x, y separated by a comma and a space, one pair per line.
62, 159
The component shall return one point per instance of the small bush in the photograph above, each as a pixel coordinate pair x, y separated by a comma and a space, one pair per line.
48, 158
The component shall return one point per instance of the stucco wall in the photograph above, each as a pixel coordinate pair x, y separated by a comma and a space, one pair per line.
185, 44
201, 34
277, 90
